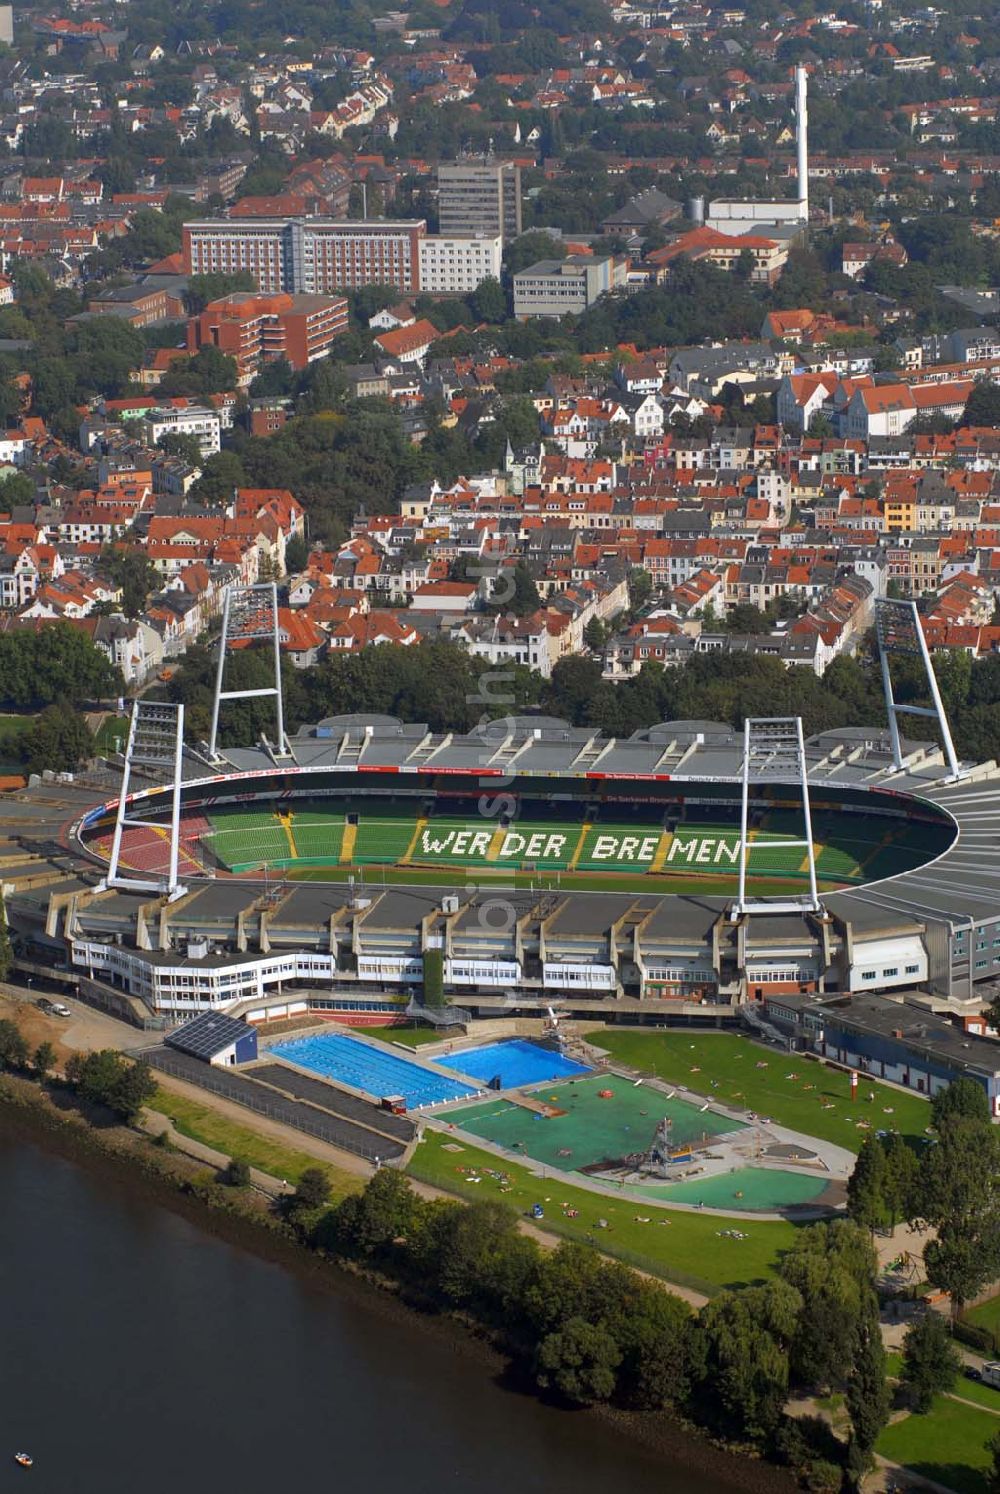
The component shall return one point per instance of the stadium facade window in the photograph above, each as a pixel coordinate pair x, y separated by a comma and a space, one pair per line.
981, 964
868, 974
912, 970
892, 970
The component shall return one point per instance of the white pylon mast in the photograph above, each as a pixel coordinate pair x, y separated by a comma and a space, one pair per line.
774, 751
156, 741
899, 631
249, 612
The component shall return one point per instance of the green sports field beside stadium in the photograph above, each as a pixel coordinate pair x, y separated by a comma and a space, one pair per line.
617, 849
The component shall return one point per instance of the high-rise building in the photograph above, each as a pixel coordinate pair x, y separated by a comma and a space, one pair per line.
456, 264
308, 256
7, 24
479, 196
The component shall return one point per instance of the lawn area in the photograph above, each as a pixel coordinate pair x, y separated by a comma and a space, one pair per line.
694, 1059
983, 1395
986, 1315
948, 1445
210, 1127
11, 728
111, 727
687, 1250
410, 1037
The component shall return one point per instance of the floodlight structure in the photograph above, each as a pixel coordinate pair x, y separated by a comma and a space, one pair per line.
774, 751
155, 741
898, 631
249, 612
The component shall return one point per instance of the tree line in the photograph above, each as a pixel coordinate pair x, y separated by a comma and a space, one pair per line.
584, 1330
953, 1185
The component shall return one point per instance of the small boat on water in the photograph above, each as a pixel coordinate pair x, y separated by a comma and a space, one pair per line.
25, 1459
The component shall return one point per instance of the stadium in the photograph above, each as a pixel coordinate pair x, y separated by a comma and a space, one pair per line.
371, 866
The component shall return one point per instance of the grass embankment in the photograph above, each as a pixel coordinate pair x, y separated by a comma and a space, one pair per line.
410, 1037
112, 730
211, 1128
686, 1248
824, 1111
986, 1315
949, 1445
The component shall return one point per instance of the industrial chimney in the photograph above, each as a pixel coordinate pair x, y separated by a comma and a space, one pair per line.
802, 140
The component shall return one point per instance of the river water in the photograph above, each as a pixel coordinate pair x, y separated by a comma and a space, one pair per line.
140, 1354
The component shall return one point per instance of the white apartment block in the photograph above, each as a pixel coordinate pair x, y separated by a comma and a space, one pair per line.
455, 264
204, 425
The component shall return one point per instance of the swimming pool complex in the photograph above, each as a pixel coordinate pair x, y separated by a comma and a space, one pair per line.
514, 1061
377, 1073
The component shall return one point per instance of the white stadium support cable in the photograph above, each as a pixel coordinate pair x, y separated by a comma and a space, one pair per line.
774, 751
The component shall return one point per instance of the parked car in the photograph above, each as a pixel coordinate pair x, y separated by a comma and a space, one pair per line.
52, 1008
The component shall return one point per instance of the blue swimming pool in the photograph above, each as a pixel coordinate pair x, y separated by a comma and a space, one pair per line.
515, 1061
370, 1069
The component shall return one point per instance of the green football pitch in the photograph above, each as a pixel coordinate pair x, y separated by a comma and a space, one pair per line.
329, 839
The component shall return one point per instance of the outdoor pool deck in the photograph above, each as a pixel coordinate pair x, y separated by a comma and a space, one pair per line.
592, 1129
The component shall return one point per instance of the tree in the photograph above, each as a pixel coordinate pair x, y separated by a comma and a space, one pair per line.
237, 1174
868, 1398
931, 1363
960, 1197
571, 687
105, 350
489, 301
866, 1185
516, 592
640, 589
832, 1267
529, 248
962, 1099
580, 1361
739, 1357
133, 1088
296, 555
107, 1078
135, 573
900, 1184
992, 1013
383, 1212
59, 662
210, 371
983, 405
993, 1473
182, 444
433, 978
44, 1060
221, 473
13, 1046
594, 635
313, 1190
58, 740
6, 952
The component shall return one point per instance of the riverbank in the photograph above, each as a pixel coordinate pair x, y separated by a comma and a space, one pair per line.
247, 1221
